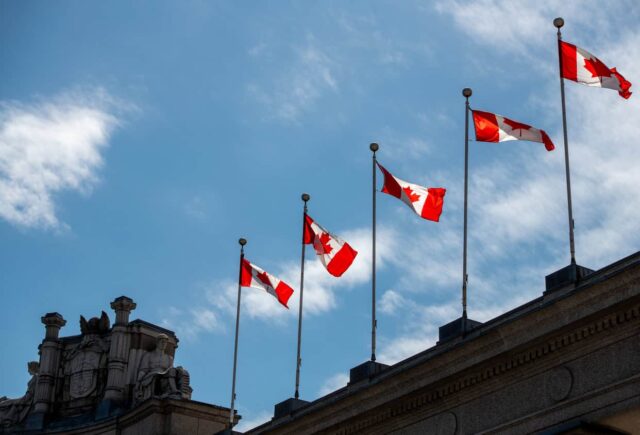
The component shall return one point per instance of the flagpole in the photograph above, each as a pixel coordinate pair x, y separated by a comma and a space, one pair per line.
466, 92
373, 147
559, 22
305, 198
242, 242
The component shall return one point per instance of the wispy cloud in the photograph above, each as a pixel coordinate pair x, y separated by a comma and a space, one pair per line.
391, 301
255, 420
51, 146
310, 75
333, 383
524, 25
519, 210
188, 324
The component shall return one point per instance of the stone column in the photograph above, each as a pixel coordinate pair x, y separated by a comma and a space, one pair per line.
119, 351
49, 361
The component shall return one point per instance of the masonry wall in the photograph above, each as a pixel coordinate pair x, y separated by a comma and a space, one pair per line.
569, 357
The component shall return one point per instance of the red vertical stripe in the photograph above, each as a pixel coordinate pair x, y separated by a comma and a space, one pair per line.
391, 186
284, 292
245, 275
309, 234
569, 61
342, 260
486, 125
432, 208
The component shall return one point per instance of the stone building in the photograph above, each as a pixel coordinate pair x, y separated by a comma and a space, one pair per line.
109, 380
567, 362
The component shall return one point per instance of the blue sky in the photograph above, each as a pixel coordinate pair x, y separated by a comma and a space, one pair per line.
139, 141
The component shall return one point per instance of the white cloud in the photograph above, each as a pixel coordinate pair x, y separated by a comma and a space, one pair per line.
390, 302
335, 382
189, 324
522, 25
48, 147
310, 75
518, 214
257, 419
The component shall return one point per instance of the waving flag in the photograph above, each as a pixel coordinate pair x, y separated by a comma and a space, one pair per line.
583, 67
253, 276
335, 254
427, 202
495, 128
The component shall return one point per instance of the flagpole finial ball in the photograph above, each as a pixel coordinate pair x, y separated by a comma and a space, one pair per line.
467, 92
242, 241
374, 147
558, 22
306, 197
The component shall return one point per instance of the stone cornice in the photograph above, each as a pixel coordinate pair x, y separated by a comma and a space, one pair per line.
428, 382
619, 318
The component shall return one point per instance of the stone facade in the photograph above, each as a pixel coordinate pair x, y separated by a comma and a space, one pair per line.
567, 362
118, 379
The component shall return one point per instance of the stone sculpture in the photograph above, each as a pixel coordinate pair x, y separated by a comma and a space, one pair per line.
158, 378
13, 411
103, 373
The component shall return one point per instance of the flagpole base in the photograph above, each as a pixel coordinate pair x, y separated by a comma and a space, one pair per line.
287, 407
570, 275
366, 371
458, 328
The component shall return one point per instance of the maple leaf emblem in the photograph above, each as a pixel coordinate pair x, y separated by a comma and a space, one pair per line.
596, 67
321, 244
324, 239
264, 278
413, 197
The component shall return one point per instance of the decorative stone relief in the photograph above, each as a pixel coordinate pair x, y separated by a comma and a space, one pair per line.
559, 383
83, 362
13, 411
101, 373
158, 378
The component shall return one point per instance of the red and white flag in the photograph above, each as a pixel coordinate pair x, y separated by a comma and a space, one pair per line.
252, 276
583, 67
335, 254
495, 128
427, 202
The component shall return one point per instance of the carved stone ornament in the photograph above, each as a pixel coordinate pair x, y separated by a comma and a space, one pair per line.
13, 411
85, 360
559, 383
158, 378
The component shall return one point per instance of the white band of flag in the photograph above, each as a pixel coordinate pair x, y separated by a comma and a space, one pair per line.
335, 254
252, 276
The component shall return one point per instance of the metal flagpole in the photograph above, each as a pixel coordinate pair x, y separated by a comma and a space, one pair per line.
466, 92
305, 198
373, 147
242, 242
559, 22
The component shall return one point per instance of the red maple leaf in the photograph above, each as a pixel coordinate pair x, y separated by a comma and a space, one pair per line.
323, 246
413, 197
262, 276
515, 125
596, 67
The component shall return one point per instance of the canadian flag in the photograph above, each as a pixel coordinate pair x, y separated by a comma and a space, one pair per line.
252, 276
335, 254
427, 202
495, 128
583, 67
